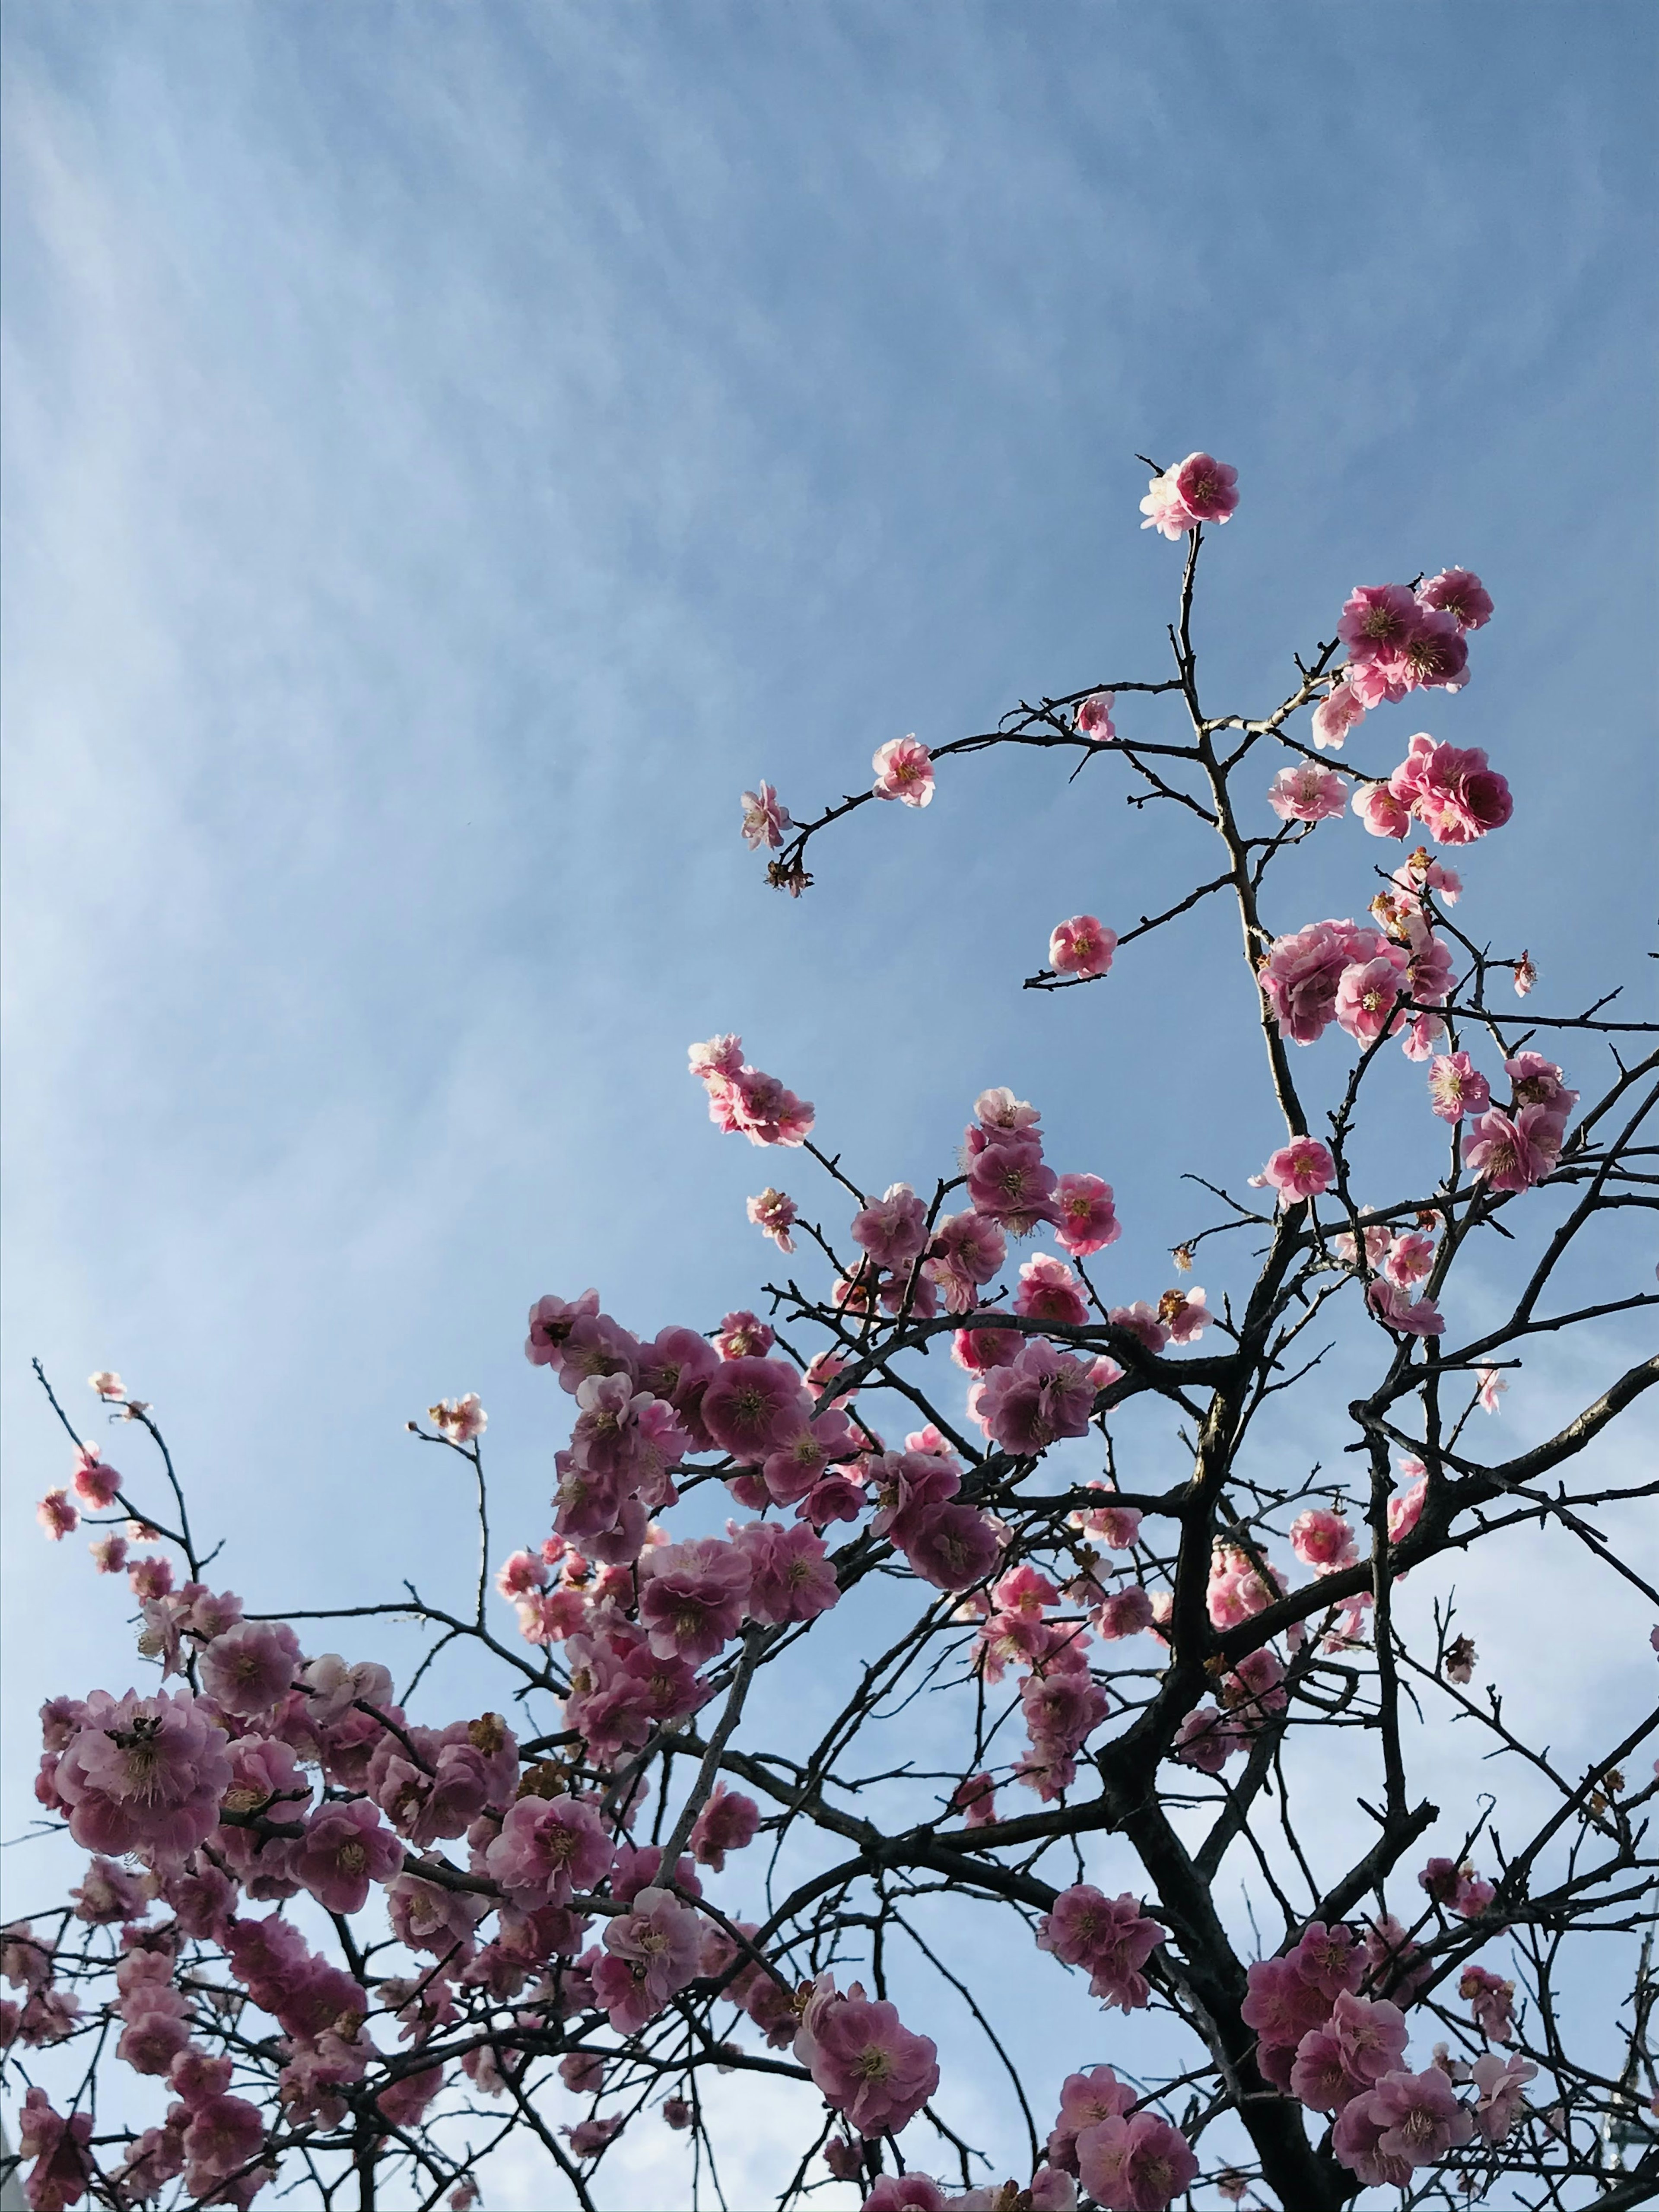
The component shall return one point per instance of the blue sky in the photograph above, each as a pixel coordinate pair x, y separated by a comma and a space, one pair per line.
450, 452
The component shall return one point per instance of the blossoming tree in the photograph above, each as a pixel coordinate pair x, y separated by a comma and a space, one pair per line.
334, 1938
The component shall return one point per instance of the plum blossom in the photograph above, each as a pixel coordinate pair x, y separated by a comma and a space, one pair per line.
752, 1406
1453, 791
1087, 1221
1411, 1259
1492, 1386
1396, 1310
1111, 1938
1456, 1086
1323, 1540
1048, 1291
1093, 717
869, 2066
691, 1597
764, 821
1491, 2000
96, 1483
252, 1666
1082, 946
1405, 2121
1511, 1152
1043, 1395
1459, 593
1008, 1181
548, 1849
904, 770
1302, 1169
462, 1420
727, 1822
1136, 2164
1197, 489
773, 1214
345, 1850
893, 1228
1184, 1314
58, 1515
143, 1775
651, 1953
1500, 2083
1304, 792
1338, 713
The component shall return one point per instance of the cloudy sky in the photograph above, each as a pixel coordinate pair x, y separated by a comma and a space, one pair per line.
451, 451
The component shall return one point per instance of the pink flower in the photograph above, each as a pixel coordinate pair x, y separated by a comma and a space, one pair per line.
1452, 791
1491, 2000
1537, 1082
764, 1112
1382, 813
773, 1214
345, 1850
794, 1577
1184, 1314
1411, 2120
1500, 2083
651, 1953
548, 1849
1111, 1938
904, 769
1127, 1611
892, 1229
96, 1484
865, 2061
1134, 2164
1165, 510
951, 1546
1300, 975
56, 1516
1304, 792
1411, 1259
462, 1420
1512, 1152
109, 1554
752, 1406
966, 1252
252, 1668
1088, 1223
1302, 1169
1323, 1540
1204, 1741
1042, 1396
1208, 488
143, 1775
1048, 1291
1008, 1181
764, 821
1093, 718
1459, 593
1396, 1310
727, 1822
1338, 713
691, 1597
1526, 975
905, 2192
57, 2145
1375, 622
1081, 946
1118, 1527
1456, 1087
552, 1319
1140, 1322
1492, 1385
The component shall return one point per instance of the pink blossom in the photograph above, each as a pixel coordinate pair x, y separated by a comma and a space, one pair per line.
107, 1383
1397, 1310
1492, 1385
1491, 2000
727, 1822
1459, 593
1323, 1540
773, 1214
1118, 1527
96, 1484
1300, 975
344, 1851
1111, 1938
904, 769
1087, 1221
58, 1515
1008, 1181
1367, 992
794, 1577
1127, 1611
979, 1350
1140, 1322
975, 1799
1500, 2083
520, 1574
1205, 1740
59, 2147
1375, 622
1134, 2164
109, 1554
1165, 510
1208, 488
650, 1953
892, 1229
966, 1251
1452, 791
1304, 792
1302, 1169
869, 2066
252, 1668
1412, 2119
1184, 1314
1411, 1259
1338, 713
1382, 813
462, 1420
548, 1849
951, 1546
764, 821
905, 2192
1093, 717
143, 1775
148, 1577
1456, 1087
691, 1595
1405, 1510
752, 1406
1537, 1082
763, 1111
1048, 1291
1511, 1153
551, 1321
1526, 975
1081, 946
224, 2133
742, 1335
1237, 1590
1042, 1396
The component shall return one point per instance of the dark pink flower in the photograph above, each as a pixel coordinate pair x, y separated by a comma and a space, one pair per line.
1459, 593
727, 1822
1042, 1396
551, 1321
966, 1251
752, 1406
1008, 1181
1513, 1151
952, 1547
251, 1668
1081, 946
1093, 717
1452, 791
892, 1229
345, 1850
1134, 2164
866, 2062
792, 1575
1048, 1291
57, 1515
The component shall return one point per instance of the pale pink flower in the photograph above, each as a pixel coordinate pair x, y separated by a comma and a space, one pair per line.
1237, 1590
1323, 1540
1492, 1385
1491, 2000
904, 769
1500, 2083
998, 1110
1205, 1740
764, 821
1140, 1320
1418, 2117
57, 1515
252, 1668
462, 1420
1127, 1611
1338, 713
1404, 1512
548, 1847
691, 1597
1048, 1291
773, 1212
1135, 2165
1526, 975
344, 1850
865, 2061
1081, 946
1093, 717
763, 1111
1377, 1240
907, 2192
1397, 1310
727, 1822
107, 1383
1368, 991
892, 1229
1302, 1169
520, 1574
1537, 1082
1382, 813
651, 1953
1118, 1527
1184, 1314
1088, 1221
1456, 1086
1304, 792
1459, 593
143, 1775
109, 1553
1512, 1152
1165, 510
